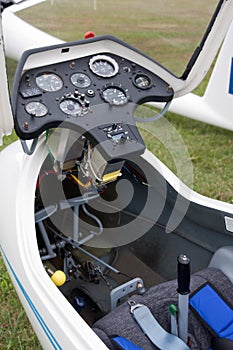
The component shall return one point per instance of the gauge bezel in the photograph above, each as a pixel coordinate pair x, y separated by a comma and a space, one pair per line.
37, 115
77, 85
138, 75
107, 59
118, 87
52, 74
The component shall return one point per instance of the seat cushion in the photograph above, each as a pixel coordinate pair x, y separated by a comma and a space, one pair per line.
158, 298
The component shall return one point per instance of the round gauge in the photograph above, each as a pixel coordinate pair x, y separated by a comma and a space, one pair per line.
36, 109
103, 66
49, 82
80, 80
115, 95
71, 107
142, 81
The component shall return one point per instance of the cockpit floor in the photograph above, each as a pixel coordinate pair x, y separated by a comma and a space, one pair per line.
129, 264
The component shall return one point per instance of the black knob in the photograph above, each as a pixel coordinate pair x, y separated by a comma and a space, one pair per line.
183, 274
123, 138
114, 126
76, 93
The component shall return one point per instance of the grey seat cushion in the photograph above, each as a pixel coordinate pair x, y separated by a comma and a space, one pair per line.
121, 322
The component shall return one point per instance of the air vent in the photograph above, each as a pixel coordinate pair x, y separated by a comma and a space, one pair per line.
65, 50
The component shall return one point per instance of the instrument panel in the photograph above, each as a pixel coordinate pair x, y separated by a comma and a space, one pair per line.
89, 93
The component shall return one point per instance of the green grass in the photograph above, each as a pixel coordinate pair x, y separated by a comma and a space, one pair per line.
167, 30
15, 329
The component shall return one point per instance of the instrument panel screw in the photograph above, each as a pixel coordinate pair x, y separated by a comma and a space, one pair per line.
25, 126
169, 88
72, 65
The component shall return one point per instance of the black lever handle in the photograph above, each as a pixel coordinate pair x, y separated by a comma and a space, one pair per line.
183, 274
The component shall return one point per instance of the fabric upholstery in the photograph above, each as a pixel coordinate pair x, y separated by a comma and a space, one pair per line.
158, 298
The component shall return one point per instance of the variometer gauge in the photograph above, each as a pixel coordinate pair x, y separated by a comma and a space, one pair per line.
80, 80
71, 107
103, 66
50, 82
115, 94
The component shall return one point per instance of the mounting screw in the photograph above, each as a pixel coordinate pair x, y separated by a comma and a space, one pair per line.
140, 288
26, 126
169, 88
72, 65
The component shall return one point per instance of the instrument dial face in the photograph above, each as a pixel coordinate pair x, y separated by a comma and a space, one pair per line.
80, 80
71, 107
115, 95
103, 66
142, 81
36, 109
50, 82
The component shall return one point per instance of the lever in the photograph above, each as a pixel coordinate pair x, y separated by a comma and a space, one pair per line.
183, 277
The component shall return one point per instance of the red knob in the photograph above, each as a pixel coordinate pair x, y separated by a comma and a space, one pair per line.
89, 35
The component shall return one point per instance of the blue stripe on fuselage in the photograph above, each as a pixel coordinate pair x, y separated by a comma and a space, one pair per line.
42, 323
231, 79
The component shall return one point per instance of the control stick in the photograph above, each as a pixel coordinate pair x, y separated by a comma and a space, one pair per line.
183, 277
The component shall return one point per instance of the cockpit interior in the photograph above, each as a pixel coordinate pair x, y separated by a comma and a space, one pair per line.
109, 224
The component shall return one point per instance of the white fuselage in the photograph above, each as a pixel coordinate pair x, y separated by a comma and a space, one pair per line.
56, 323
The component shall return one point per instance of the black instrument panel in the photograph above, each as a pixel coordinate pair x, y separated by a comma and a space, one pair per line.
89, 93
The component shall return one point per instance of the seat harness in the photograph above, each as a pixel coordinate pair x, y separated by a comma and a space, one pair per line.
215, 313
152, 329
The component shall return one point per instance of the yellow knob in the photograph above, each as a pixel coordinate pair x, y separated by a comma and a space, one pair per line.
58, 278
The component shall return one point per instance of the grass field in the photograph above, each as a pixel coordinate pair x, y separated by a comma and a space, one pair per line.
167, 30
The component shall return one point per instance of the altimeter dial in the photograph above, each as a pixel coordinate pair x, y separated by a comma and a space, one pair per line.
115, 94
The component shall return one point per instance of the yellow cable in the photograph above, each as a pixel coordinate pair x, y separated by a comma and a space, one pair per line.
80, 183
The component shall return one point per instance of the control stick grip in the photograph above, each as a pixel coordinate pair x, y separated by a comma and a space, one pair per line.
183, 274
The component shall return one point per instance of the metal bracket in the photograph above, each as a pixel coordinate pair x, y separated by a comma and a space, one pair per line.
124, 290
39, 217
26, 149
75, 203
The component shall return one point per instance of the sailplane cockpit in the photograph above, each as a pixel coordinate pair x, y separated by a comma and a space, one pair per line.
112, 225
102, 211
